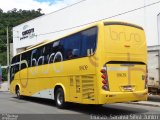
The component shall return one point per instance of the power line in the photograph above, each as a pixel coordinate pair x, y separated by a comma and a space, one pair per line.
101, 19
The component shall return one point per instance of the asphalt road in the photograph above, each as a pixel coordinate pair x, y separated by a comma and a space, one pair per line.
154, 98
43, 109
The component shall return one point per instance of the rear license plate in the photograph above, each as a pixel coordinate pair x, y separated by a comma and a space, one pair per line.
128, 88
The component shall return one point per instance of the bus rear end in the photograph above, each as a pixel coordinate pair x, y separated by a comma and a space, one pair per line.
123, 71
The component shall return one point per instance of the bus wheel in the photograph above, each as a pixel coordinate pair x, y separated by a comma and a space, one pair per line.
59, 98
18, 93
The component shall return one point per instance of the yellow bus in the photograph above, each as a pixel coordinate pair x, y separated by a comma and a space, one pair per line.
105, 62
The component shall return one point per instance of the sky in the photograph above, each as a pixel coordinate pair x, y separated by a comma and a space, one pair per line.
47, 6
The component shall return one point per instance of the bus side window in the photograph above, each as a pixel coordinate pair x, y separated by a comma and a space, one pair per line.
14, 66
58, 49
12, 69
33, 60
72, 46
75, 53
55, 52
40, 56
24, 61
46, 53
89, 41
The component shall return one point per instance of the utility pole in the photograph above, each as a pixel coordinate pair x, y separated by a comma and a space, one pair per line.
8, 59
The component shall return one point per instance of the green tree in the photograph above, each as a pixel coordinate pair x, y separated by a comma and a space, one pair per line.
11, 19
4, 74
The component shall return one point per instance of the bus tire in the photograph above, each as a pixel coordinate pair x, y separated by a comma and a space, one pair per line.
59, 98
18, 92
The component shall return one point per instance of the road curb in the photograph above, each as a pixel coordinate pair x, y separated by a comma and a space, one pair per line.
3, 91
149, 104
4, 86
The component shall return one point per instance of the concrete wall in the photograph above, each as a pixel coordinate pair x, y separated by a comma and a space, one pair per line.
58, 23
11, 51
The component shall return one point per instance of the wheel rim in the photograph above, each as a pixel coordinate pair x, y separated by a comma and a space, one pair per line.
59, 98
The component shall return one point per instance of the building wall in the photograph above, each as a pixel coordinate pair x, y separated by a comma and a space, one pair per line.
151, 23
58, 23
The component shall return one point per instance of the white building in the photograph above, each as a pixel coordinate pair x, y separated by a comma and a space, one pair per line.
53, 25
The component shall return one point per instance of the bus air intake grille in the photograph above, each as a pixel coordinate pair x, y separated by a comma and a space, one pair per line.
88, 87
77, 78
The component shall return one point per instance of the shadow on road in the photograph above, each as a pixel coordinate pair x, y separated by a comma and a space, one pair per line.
107, 110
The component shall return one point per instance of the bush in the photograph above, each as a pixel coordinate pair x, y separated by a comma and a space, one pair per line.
3, 58
4, 74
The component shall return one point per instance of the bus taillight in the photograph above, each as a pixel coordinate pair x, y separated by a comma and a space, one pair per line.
104, 82
104, 77
103, 70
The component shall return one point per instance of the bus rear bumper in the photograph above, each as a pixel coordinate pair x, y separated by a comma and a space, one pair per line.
118, 97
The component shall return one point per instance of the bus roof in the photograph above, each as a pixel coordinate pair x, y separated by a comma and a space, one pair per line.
123, 23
